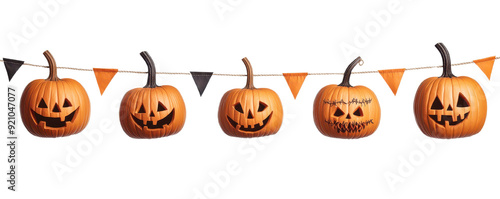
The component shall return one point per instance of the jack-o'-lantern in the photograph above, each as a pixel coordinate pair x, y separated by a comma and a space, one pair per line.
153, 111
250, 112
54, 107
344, 111
449, 106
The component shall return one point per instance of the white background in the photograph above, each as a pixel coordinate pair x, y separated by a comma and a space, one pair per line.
277, 36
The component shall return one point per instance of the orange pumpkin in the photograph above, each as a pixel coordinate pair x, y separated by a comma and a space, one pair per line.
250, 112
153, 111
449, 106
344, 111
54, 107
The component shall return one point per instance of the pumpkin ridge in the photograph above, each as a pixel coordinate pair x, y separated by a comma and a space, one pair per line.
27, 101
65, 85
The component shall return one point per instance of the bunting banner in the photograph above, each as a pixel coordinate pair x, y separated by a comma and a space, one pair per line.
12, 66
201, 80
486, 65
393, 78
295, 81
104, 77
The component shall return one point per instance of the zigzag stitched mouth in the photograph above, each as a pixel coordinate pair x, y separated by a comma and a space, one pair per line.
349, 127
54, 122
159, 124
257, 127
449, 118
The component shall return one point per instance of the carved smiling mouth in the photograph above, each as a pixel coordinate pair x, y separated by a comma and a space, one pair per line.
449, 118
54, 122
256, 127
159, 125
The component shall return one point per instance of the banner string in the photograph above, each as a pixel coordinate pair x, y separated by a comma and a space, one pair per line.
261, 75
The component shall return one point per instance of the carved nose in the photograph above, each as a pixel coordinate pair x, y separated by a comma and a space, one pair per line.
151, 114
348, 116
250, 116
56, 109
449, 108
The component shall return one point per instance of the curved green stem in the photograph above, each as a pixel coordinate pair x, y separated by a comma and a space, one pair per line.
348, 71
249, 84
151, 70
446, 60
52, 66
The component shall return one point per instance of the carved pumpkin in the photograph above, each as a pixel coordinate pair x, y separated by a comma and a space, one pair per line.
54, 107
449, 106
344, 111
250, 112
153, 111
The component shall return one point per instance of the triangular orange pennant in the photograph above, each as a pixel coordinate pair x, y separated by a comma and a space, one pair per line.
104, 76
295, 81
393, 77
486, 65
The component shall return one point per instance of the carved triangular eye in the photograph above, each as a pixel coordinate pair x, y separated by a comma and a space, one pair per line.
42, 104
161, 107
338, 112
142, 109
238, 107
66, 103
358, 112
437, 105
462, 101
262, 106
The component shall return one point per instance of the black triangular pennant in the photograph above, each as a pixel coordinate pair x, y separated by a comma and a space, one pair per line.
12, 65
201, 80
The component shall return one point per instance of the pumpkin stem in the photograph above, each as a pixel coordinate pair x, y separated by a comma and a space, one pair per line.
347, 73
249, 74
446, 60
52, 66
151, 70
